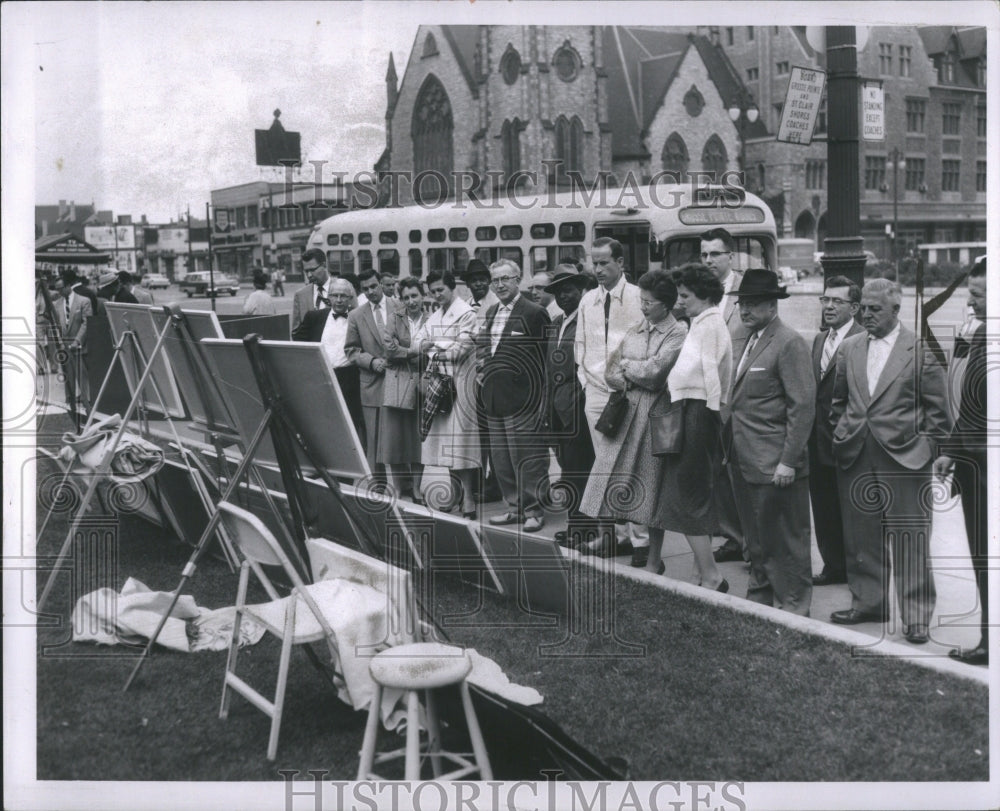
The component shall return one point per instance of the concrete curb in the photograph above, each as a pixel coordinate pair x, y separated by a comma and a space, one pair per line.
872, 646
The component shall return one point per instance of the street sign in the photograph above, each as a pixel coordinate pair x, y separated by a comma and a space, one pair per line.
872, 112
802, 100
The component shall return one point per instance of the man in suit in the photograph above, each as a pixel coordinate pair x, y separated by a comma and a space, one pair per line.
567, 420
841, 302
365, 348
328, 326
512, 352
79, 304
889, 412
314, 294
604, 316
127, 281
717, 252
964, 455
773, 402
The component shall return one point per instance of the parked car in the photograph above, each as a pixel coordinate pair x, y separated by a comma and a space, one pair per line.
198, 284
151, 281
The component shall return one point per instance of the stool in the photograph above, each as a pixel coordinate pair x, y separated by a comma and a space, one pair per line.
422, 666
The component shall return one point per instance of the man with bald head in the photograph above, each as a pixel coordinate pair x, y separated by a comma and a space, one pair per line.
328, 326
889, 415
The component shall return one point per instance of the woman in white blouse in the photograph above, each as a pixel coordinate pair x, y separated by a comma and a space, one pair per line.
686, 495
448, 337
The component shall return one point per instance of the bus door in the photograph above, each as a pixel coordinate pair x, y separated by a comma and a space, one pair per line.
634, 239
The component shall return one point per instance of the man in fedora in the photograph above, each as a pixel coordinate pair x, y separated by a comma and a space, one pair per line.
565, 400
773, 402
109, 288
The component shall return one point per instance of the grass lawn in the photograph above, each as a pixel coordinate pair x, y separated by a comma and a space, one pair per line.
712, 695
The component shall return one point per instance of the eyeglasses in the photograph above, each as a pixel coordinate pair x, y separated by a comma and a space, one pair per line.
504, 280
837, 302
713, 254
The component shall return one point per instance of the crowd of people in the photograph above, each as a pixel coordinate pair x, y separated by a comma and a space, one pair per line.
678, 403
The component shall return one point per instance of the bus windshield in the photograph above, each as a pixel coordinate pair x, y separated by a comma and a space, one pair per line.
750, 252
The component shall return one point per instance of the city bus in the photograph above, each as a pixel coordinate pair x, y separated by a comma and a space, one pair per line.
658, 227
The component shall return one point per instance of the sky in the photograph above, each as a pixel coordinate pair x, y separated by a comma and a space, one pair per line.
144, 108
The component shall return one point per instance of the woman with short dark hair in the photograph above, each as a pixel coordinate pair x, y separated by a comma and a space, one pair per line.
685, 497
619, 486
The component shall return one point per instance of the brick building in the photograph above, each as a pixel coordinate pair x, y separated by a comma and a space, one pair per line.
934, 80
603, 101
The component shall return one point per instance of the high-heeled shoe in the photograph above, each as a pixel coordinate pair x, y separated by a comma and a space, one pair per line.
723, 587
469, 515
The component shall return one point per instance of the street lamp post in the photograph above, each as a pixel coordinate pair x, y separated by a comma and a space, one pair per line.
896, 161
741, 111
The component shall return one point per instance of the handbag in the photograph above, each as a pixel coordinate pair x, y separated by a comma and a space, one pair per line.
666, 427
438, 390
400, 388
613, 415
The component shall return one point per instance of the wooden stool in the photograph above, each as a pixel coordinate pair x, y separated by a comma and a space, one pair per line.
422, 666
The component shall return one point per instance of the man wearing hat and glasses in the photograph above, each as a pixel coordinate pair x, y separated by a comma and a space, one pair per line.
773, 401
564, 397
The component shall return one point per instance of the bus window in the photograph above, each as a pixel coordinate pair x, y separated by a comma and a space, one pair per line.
453, 259
388, 260
415, 235
365, 239
545, 258
364, 261
543, 230
436, 235
458, 234
571, 254
634, 238
333, 239
749, 253
486, 233
514, 254
348, 239
511, 232
572, 232
487, 255
388, 238
339, 262
416, 263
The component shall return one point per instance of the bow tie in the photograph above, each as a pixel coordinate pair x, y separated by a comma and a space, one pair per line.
335, 316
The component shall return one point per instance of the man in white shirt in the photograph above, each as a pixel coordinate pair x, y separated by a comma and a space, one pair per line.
365, 346
841, 301
605, 315
889, 412
717, 252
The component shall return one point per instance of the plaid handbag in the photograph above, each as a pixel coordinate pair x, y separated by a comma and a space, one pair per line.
439, 397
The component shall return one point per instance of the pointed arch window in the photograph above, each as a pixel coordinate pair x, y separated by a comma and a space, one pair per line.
569, 147
510, 65
714, 158
432, 133
675, 156
510, 138
430, 45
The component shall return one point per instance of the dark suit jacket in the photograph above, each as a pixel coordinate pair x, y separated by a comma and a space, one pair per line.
514, 376
821, 439
312, 326
969, 432
363, 345
908, 412
565, 394
773, 401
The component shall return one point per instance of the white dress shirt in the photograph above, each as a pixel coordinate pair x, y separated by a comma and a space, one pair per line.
878, 354
334, 337
500, 321
591, 347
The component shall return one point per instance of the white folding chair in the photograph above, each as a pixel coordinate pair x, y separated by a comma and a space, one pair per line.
296, 619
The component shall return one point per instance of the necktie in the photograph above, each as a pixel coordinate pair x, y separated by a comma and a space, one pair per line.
746, 355
379, 321
607, 313
829, 347
66, 309
321, 298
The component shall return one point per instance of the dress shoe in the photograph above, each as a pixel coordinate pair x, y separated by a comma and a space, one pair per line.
974, 656
640, 557
504, 519
469, 515
916, 634
827, 579
661, 568
723, 587
533, 523
729, 551
852, 616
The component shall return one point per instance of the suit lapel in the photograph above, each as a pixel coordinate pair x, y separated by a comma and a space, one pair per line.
817, 354
762, 342
858, 369
369, 317
902, 352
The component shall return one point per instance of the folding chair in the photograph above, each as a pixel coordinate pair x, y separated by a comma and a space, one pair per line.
296, 619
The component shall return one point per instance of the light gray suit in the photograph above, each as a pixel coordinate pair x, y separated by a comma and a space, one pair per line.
363, 345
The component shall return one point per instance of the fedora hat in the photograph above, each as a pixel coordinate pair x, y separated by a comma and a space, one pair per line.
561, 277
760, 283
106, 278
476, 267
